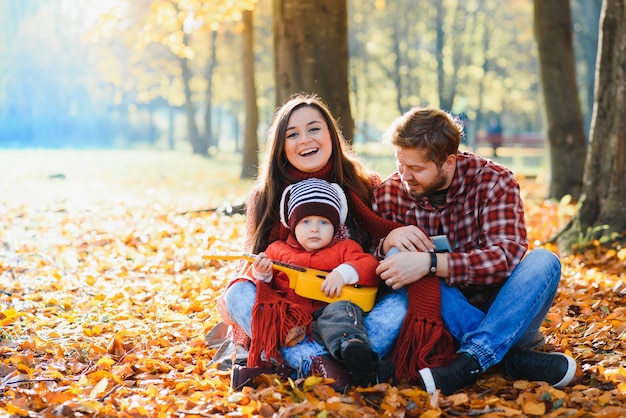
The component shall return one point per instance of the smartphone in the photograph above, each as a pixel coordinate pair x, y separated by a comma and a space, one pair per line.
442, 245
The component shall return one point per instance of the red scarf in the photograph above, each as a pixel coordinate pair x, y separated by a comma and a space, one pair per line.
423, 340
275, 316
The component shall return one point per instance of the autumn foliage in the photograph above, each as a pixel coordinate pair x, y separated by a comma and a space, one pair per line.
106, 301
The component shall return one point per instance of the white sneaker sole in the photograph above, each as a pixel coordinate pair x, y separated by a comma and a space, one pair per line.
571, 371
429, 380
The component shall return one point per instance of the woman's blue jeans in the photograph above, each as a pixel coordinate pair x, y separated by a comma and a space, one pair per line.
382, 324
510, 319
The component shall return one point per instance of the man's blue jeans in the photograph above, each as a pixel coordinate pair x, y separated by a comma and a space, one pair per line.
512, 318
382, 324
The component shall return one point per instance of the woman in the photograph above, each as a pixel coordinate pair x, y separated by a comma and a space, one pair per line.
304, 141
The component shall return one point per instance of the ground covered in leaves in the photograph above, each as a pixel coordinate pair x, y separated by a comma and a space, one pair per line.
105, 302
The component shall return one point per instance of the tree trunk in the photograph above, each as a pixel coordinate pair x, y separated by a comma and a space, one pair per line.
485, 42
447, 80
210, 69
395, 76
171, 142
197, 144
566, 137
152, 127
587, 39
250, 142
311, 54
439, 44
602, 212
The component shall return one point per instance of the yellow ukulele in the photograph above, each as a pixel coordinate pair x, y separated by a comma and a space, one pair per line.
307, 282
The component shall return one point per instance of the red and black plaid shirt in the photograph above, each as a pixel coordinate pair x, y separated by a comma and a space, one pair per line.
483, 217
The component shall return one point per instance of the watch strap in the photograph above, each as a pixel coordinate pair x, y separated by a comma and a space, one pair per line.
433, 264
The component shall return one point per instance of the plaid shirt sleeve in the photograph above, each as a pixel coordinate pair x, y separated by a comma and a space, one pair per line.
488, 230
483, 217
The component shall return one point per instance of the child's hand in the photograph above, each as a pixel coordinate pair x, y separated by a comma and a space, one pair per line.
262, 264
332, 284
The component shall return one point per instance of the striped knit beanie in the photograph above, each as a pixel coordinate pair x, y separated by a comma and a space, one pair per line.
313, 197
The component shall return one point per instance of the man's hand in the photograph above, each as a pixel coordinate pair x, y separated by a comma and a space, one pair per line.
408, 238
403, 268
332, 284
262, 264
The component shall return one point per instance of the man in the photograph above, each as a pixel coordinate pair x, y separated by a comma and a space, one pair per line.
492, 302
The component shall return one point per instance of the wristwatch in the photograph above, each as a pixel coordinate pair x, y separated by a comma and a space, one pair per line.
433, 264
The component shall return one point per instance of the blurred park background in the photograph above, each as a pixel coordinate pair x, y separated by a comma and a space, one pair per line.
124, 74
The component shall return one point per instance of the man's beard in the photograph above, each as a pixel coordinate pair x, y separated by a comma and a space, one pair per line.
429, 189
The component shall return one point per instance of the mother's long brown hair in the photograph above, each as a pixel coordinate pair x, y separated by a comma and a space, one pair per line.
275, 173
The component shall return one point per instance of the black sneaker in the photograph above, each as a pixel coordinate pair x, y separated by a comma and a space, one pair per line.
385, 371
555, 368
361, 362
463, 371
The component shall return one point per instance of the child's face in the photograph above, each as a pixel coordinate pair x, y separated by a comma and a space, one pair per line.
314, 232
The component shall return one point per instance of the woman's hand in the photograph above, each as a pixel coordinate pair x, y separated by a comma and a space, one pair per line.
262, 264
332, 284
408, 238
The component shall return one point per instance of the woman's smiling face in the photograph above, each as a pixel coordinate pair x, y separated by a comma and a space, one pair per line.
308, 146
